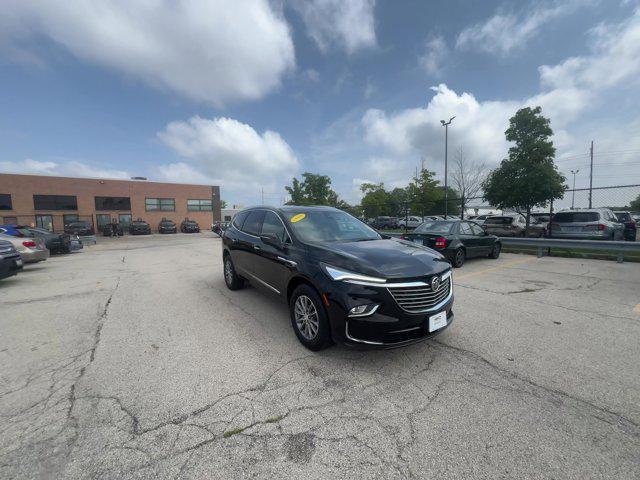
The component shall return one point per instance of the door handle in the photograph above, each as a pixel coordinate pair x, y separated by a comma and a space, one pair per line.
287, 262
257, 248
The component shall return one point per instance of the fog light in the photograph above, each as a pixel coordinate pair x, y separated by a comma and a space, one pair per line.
363, 310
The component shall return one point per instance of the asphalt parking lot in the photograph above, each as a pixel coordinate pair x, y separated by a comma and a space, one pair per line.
131, 359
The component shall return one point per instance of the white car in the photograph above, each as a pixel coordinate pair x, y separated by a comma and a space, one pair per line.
410, 222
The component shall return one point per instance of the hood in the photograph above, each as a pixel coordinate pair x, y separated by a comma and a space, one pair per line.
387, 258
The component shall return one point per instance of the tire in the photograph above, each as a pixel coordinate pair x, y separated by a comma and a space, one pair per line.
231, 278
309, 318
458, 258
495, 251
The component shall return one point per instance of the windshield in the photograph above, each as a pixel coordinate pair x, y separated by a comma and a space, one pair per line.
329, 226
434, 227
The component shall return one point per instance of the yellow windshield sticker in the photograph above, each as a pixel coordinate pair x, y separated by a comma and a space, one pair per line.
297, 217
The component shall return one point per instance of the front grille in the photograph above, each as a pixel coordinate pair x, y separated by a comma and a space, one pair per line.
420, 298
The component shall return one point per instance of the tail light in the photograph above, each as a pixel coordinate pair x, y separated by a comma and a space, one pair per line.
441, 242
600, 226
29, 243
402, 237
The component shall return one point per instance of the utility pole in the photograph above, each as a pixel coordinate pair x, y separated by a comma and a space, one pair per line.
591, 177
446, 145
573, 194
262, 192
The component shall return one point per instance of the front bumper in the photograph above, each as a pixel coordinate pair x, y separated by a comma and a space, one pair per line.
389, 326
10, 265
167, 230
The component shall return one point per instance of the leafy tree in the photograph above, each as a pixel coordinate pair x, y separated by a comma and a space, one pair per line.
424, 194
398, 198
314, 189
223, 204
529, 177
634, 206
376, 200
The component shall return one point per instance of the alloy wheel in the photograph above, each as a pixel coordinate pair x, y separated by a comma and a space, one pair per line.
306, 317
228, 271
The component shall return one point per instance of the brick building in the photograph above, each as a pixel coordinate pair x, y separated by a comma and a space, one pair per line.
51, 202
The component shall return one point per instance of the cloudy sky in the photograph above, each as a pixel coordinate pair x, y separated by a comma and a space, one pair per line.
249, 93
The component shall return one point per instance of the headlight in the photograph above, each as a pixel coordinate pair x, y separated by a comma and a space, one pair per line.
350, 277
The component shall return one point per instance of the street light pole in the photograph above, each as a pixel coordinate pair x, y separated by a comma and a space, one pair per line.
573, 193
446, 145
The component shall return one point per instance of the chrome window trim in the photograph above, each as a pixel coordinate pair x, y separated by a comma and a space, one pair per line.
289, 238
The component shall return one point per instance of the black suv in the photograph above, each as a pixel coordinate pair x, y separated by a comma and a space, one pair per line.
189, 226
343, 281
79, 227
167, 226
139, 227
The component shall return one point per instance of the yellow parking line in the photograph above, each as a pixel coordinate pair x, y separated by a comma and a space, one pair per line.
492, 269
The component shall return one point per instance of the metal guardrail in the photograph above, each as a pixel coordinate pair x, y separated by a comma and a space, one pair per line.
620, 248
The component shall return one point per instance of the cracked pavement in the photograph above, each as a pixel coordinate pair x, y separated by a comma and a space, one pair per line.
132, 360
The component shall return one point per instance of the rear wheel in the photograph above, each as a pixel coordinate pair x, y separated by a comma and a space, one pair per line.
309, 318
231, 278
458, 258
495, 251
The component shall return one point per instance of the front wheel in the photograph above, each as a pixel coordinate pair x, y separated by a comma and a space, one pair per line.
495, 251
231, 278
309, 318
458, 258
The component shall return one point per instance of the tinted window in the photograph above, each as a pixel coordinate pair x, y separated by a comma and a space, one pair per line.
239, 219
253, 223
577, 217
498, 221
196, 205
434, 227
5, 201
55, 202
273, 225
162, 204
113, 203
465, 229
623, 216
329, 226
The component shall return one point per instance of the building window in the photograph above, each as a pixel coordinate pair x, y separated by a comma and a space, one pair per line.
227, 218
45, 221
5, 201
162, 204
113, 203
199, 205
103, 219
55, 202
67, 219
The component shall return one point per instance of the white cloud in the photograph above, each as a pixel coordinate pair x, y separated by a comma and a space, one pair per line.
435, 51
69, 168
345, 24
311, 74
506, 32
213, 51
228, 152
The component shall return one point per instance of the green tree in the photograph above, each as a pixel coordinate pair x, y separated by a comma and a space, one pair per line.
223, 204
314, 189
398, 198
375, 201
424, 194
529, 177
634, 206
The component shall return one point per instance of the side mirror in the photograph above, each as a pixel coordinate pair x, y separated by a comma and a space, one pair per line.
272, 240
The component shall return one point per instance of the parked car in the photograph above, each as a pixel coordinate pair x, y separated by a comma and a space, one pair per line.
189, 226
513, 225
10, 260
457, 240
587, 224
479, 219
343, 281
82, 228
75, 243
410, 222
139, 227
167, 226
31, 249
541, 217
55, 242
385, 223
630, 225
219, 227
107, 230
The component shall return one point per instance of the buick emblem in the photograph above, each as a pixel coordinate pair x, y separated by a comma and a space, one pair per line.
435, 284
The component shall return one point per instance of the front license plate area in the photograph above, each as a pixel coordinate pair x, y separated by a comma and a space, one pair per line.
437, 321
